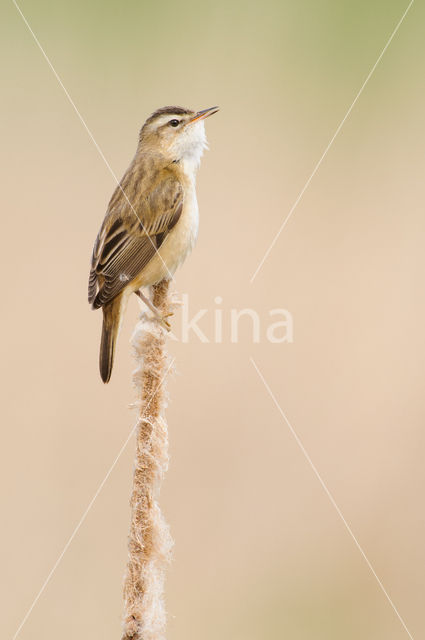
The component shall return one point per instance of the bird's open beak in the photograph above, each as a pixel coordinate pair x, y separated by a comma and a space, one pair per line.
201, 115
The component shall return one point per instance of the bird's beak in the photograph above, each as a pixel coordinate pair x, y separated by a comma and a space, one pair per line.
201, 115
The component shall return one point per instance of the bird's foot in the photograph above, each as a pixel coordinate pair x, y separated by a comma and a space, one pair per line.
162, 319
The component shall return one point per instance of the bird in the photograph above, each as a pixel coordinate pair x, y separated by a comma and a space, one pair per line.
151, 222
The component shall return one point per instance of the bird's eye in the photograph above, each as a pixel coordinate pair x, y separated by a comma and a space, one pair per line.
174, 123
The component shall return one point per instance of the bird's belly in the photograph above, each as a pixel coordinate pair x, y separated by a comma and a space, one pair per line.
175, 248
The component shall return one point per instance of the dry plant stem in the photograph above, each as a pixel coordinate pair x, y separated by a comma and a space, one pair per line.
149, 543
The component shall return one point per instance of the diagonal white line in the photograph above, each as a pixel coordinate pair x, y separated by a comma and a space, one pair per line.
91, 503
341, 124
83, 122
328, 493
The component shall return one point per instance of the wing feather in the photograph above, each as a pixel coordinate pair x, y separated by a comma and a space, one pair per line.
125, 244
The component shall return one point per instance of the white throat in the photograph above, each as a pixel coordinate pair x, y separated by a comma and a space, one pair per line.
189, 147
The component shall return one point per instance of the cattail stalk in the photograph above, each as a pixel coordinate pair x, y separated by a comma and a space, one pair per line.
149, 543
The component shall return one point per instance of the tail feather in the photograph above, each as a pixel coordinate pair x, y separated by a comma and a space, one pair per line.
110, 328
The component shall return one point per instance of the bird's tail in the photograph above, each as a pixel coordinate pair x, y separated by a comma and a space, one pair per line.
111, 325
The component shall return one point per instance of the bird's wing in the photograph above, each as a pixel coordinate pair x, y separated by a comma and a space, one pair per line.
128, 239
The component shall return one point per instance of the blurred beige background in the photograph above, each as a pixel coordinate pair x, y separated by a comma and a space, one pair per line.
260, 551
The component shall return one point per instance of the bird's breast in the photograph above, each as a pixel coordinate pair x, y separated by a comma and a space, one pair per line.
181, 239
176, 246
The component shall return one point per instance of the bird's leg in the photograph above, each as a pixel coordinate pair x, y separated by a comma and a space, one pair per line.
162, 318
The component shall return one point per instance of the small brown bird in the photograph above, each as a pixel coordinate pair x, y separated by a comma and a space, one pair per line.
151, 223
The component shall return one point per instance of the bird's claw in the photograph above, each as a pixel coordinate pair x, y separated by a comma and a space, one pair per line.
162, 319
164, 322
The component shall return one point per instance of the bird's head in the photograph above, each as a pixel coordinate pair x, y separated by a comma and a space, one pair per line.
176, 133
